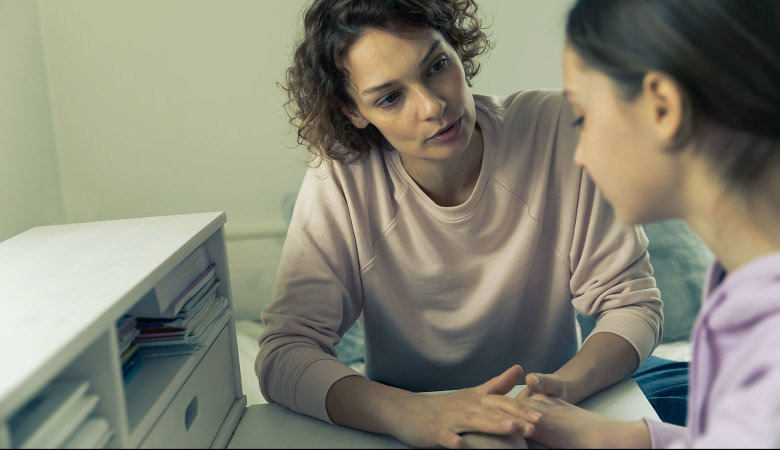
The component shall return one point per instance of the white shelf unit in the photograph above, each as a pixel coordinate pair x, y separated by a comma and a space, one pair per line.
65, 286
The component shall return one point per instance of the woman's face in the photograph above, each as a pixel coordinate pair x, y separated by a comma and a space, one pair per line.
412, 88
620, 146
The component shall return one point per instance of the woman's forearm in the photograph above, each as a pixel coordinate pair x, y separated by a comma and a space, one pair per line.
603, 360
425, 420
358, 402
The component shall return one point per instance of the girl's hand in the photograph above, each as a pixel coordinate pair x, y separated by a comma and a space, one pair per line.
564, 425
441, 419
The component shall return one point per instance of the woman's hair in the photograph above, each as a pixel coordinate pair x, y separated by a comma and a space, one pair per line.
316, 82
724, 56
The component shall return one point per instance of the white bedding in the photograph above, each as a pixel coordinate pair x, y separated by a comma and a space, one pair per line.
248, 332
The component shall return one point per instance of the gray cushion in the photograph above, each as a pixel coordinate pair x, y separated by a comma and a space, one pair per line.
680, 261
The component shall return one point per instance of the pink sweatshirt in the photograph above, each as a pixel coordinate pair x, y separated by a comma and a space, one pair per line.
449, 297
734, 399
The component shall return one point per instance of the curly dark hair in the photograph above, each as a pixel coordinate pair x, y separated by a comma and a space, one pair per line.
316, 82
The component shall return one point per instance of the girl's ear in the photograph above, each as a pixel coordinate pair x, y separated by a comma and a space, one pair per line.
665, 101
355, 117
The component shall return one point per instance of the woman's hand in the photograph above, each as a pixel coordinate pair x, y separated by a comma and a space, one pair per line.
441, 419
544, 383
563, 425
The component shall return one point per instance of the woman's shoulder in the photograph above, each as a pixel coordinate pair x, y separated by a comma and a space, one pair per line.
361, 186
354, 173
530, 103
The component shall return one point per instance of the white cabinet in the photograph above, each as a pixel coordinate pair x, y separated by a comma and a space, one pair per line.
62, 290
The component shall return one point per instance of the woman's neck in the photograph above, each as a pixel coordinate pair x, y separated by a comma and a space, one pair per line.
737, 226
450, 182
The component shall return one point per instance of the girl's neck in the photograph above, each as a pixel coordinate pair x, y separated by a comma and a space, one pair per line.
738, 226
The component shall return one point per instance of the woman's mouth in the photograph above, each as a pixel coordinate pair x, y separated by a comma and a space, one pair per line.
448, 132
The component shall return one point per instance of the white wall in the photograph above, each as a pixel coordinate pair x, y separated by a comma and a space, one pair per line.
171, 106
29, 179
529, 37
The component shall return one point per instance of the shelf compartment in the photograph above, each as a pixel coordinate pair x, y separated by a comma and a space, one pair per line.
155, 384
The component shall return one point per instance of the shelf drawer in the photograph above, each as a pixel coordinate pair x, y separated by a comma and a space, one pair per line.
195, 414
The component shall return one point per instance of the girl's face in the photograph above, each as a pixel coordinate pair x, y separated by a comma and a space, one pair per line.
622, 144
412, 88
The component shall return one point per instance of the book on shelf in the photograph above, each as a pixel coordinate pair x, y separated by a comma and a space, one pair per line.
190, 323
129, 357
168, 296
51, 418
194, 328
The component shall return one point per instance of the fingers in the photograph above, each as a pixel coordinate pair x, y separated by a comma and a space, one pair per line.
503, 383
521, 412
499, 416
482, 440
547, 384
450, 439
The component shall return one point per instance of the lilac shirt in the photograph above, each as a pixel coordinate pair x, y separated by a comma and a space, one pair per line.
734, 396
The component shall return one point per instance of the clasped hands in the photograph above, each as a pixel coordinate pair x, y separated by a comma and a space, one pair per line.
482, 416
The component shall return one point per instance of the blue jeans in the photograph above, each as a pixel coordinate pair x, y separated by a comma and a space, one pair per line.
665, 384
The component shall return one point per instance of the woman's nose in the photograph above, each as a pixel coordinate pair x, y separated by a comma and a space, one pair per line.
431, 104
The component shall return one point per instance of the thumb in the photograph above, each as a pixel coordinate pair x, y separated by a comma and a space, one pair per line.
503, 383
547, 384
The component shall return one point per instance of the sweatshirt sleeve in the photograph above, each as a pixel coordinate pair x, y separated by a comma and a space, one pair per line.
611, 275
316, 298
666, 435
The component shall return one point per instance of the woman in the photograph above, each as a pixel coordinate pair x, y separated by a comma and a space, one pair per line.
679, 108
455, 226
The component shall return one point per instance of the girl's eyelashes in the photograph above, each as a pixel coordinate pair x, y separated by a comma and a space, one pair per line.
578, 122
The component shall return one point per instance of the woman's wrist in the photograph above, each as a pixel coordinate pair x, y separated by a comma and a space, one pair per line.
360, 403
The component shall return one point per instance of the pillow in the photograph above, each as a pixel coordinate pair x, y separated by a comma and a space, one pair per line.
680, 261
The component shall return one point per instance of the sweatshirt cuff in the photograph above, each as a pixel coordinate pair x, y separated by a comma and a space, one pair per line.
636, 330
312, 387
665, 435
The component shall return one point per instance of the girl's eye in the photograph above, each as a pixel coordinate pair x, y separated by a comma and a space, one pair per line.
439, 65
389, 100
578, 122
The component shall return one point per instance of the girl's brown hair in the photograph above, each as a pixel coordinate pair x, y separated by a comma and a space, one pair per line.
316, 82
723, 54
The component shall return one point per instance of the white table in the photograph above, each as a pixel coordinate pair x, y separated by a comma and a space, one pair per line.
274, 426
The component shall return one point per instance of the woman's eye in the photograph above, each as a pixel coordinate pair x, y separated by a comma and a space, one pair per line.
389, 100
578, 122
439, 65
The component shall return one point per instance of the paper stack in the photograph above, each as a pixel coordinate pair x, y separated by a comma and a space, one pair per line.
128, 348
194, 327
59, 417
168, 296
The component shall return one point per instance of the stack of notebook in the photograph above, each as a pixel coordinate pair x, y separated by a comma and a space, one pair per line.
60, 416
189, 312
194, 328
182, 314
128, 347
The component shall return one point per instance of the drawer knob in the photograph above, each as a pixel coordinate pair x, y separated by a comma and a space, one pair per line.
191, 413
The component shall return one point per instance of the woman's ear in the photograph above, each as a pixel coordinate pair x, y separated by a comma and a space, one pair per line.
665, 101
355, 117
